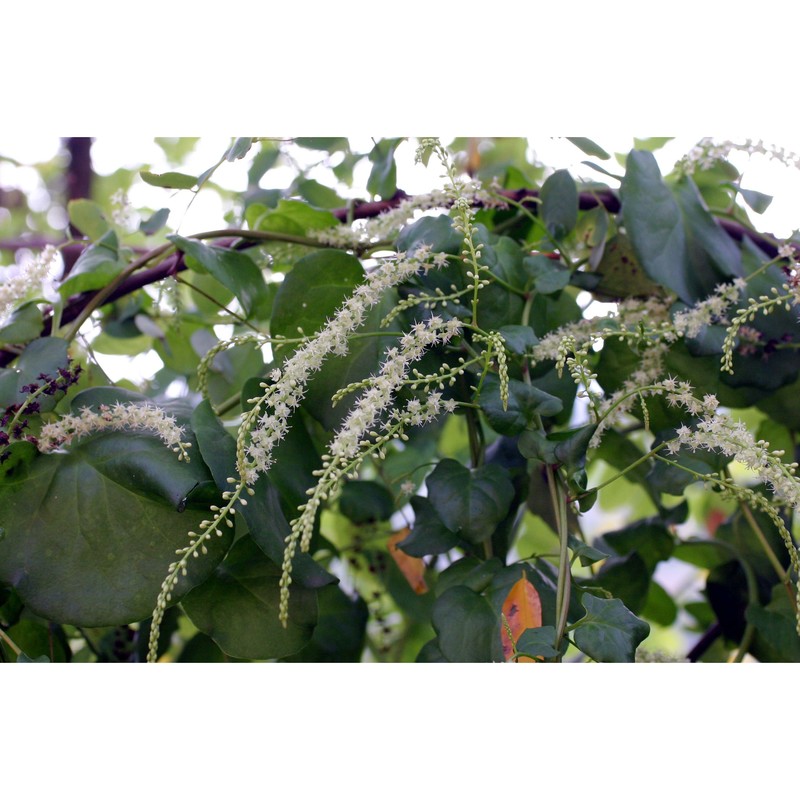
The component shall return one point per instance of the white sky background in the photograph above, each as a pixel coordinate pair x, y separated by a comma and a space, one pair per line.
506, 68
109, 153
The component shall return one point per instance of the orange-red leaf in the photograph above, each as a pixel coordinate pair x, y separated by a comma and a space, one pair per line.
522, 609
412, 568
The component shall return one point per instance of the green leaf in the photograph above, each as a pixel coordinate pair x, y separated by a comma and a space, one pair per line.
330, 144
169, 180
470, 503
88, 218
429, 535
659, 606
649, 539
713, 253
471, 572
366, 502
626, 577
313, 290
549, 277
758, 201
776, 629
588, 554
24, 324
232, 269
589, 147
467, 628
609, 632
702, 553
265, 519
289, 216
340, 631
89, 534
652, 143
41, 356
525, 402
239, 148
621, 274
155, 222
560, 203
436, 232
537, 642
318, 194
383, 176
238, 607
655, 227
95, 267
519, 339
37, 642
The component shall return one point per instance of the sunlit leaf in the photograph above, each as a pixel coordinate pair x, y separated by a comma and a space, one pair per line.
413, 569
522, 609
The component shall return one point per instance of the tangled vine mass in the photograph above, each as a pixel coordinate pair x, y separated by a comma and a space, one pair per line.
488, 423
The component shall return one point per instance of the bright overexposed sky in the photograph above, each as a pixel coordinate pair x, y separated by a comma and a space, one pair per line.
109, 153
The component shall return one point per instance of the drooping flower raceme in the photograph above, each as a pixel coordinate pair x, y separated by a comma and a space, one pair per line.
353, 442
267, 421
119, 417
26, 281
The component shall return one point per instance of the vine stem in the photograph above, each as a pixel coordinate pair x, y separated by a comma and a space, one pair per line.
564, 573
7, 639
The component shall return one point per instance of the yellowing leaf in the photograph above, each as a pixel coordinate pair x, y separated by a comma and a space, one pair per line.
413, 569
522, 609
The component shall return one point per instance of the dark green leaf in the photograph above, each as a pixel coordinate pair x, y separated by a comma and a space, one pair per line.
758, 201
436, 232
649, 539
365, 502
238, 607
621, 274
383, 176
702, 553
470, 572
318, 194
519, 339
313, 290
609, 632
655, 227
289, 216
625, 577
588, 554
471, 504
47, 356
87, 217
340, 631
169, 180
24, 324
429, 535
525, 403
571, 446
89, 534
659, 606
232, 269
265, 519
560, 203
95, 267
776, 629
467, 628
537, 642
38, 641
713, 253
589, 147
155, 222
